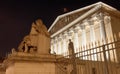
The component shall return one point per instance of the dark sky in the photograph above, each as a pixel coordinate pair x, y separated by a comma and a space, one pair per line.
16, 17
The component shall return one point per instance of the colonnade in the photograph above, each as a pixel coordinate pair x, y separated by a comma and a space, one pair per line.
77, 33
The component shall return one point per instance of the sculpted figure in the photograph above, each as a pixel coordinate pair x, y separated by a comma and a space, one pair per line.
13, 50
23, 47
38, 39
39, 27
71, 47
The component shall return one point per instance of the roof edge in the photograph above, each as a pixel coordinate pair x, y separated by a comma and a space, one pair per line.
53, 23
81, 9
78, 19
74, 11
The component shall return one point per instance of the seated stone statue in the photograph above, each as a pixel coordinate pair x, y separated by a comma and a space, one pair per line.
38, 40
25, 45
40, 37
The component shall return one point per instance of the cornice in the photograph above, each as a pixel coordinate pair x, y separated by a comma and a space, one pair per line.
101, 4
82, 9
29, 57
90, 12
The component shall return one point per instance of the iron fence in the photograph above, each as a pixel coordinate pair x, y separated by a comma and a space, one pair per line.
100, 57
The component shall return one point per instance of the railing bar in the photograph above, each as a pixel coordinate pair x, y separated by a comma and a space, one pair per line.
84, 57
101, 58
88, 64
98, 71
115, 58
109, 60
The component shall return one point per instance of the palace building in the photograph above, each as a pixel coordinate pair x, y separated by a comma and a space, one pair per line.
83, 26
95, 33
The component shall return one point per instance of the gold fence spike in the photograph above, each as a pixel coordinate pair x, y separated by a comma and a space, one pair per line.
83, 46
92, 44
111, 38
80, 49
115, 37
103, 42
95, 43
89, 45
98, 43
106, 40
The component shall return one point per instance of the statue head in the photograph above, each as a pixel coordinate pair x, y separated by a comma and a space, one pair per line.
39, 22
69, 40
26, 38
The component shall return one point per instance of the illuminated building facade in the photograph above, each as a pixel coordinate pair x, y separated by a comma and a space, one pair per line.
83, 26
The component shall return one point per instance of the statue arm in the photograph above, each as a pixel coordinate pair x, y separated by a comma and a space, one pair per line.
21, 46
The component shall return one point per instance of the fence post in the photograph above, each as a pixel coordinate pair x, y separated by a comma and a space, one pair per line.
105, 60
73, 59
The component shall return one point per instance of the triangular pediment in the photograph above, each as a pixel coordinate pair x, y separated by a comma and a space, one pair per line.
68, 18
65, 19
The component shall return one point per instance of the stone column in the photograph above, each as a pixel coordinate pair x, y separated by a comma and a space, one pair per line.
59, 44
76, 41
65, 45
83, 34
52, 47
70, 33
109, 27
102, 26
92, 38
55, 45
83, 39
103, 36
92, 32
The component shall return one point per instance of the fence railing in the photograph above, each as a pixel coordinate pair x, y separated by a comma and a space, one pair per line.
101, 57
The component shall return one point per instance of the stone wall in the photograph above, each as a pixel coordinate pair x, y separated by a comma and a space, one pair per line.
34, 68
2, 72
89, 67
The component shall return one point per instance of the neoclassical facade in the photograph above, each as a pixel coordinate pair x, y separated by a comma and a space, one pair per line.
94, 23
83, 26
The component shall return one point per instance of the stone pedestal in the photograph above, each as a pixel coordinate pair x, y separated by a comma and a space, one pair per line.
33, 56
43, 46
2, 70
26, 63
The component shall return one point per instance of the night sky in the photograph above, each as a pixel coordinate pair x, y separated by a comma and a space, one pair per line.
16, 17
